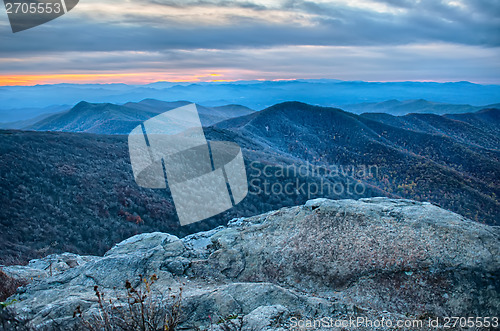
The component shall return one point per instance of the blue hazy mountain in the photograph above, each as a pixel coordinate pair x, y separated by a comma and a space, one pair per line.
396, 107
21, 124
253, 94
434, 158
108, 118
28, 114
481, 128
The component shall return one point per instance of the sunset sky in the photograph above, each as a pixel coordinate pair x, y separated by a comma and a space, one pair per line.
142, 41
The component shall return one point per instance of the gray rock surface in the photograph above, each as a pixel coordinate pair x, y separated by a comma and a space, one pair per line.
374, 257
48, 266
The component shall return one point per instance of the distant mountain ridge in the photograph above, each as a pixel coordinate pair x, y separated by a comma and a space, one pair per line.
396, 107
25, 123
257, 95
439, 156
481, 128
16, 114
488, 119
108, 118
210, 115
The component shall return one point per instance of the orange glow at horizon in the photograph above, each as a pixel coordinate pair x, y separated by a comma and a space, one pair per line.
108, 78
153, 77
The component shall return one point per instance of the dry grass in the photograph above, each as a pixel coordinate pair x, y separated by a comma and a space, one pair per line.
9, 285
136, 309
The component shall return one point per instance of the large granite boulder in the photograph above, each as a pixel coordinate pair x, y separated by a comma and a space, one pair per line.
377, 258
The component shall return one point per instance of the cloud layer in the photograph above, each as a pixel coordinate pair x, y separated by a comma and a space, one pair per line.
347, 39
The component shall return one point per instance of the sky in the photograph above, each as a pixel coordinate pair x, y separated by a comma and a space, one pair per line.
143, 41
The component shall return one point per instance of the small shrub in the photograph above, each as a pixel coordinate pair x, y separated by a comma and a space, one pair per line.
232, 322
8, 285
137, 309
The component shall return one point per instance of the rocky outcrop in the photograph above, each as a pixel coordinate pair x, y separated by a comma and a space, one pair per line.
374, 257
48, 266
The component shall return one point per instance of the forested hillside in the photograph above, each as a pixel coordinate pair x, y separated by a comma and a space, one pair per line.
75, 191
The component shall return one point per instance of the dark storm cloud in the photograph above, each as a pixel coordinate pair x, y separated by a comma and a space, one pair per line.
398, 3
473, 23
190, 3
